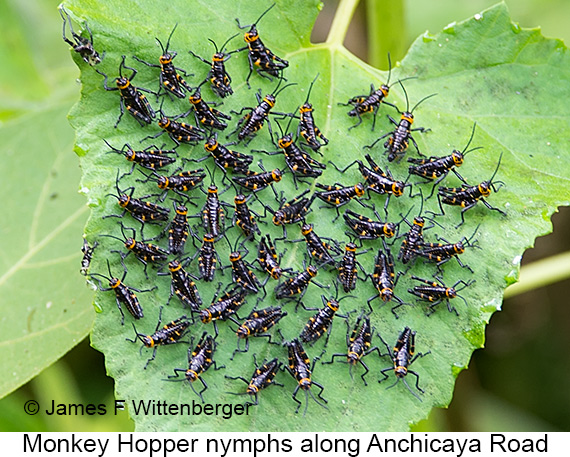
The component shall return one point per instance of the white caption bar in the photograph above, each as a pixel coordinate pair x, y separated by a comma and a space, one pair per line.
281, 444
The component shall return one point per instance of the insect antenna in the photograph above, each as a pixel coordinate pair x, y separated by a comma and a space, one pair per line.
161, 46
150, 177
122, 65
118, 196
199, 395
212, 174
465, 152
258, 19
405, 95
406, 384
404, 216
125, 237
277, 90
123, 228
311, 88
138, 336
422, 100
349, 369
307, 392
471, 150
215, 45
284, 87
115, 237
221, 49
109, 269
113, 149
464, 301
496, 170
238, 246
457, 295
421, 203
464, 285
404, 79
389, 70
227, 41
408, 101
390, 73
164, 51
281, 128
108, 278
123, 264
283, 133
244, 393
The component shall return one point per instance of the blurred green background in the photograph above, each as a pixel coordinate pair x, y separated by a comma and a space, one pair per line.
518, 383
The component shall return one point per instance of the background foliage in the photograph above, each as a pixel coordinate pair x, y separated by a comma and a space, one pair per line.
36, 94
45, 213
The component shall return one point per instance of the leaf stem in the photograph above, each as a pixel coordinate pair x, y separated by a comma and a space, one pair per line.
386, 26
541, 273
341, 21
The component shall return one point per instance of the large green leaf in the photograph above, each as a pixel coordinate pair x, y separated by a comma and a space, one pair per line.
43, 302
508, 80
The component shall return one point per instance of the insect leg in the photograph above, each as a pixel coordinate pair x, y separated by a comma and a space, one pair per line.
467, 207
383, 373
320, 393
240, 350
146, 63
365, 373
176, 371
250, 69
202, 391
400, 303
338, 354
370, 146
358, 123
463, 265
122, 108
152, 357
416, 146
492, 207
417, 381
294, 396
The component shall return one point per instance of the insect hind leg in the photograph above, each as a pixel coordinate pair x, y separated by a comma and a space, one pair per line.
358, 123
